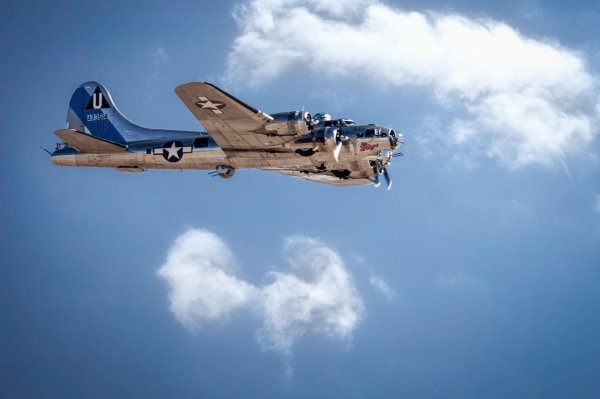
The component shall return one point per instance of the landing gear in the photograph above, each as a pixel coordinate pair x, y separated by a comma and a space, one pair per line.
223, 171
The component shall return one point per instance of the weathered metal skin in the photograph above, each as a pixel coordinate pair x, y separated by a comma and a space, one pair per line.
338, 152
294, 123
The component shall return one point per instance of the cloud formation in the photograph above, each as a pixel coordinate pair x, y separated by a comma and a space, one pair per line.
314, 293
382, 287
317, 295
519, 100
200, 272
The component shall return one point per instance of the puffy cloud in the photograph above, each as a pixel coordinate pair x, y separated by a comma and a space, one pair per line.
317, 295
382, 287
314, 293
528, 101
200, 273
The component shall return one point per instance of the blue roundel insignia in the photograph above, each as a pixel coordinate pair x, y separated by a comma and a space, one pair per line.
173, 151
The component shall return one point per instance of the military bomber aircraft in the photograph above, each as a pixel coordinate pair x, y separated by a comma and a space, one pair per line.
316, 148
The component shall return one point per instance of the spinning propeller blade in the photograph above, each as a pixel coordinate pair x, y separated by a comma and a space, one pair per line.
336, 151
377, 182
388, 180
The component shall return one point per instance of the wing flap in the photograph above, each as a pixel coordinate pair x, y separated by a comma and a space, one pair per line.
86, 143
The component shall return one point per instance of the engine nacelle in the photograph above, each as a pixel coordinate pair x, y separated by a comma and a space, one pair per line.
295, 123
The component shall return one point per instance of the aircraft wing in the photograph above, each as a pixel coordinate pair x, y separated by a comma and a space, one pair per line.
325, 178
232, 123
87, 143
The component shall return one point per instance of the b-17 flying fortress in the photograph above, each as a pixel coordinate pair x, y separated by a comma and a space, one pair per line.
238, 136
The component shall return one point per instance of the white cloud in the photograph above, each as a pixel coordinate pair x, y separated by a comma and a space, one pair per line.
315, 293
380, 285
200, 272
528, 101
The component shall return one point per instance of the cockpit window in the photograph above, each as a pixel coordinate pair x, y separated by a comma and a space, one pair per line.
336, 122
339, 122
322, 116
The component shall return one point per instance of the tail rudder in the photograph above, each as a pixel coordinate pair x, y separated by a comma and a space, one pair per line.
93, 111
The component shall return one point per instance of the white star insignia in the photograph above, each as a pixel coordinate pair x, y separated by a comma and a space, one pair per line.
205, 103
172, 151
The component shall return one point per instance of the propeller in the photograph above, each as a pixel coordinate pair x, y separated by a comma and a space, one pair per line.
380, 169
337, 150
377, 182
388, 180
338, 146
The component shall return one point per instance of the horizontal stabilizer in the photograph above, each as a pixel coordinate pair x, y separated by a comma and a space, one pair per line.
86, 143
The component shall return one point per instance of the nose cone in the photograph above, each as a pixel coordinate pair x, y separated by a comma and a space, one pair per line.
396, 139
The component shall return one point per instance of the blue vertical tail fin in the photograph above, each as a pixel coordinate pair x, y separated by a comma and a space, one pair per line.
93, 111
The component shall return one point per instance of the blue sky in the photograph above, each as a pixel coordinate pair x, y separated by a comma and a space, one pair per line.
476, 276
